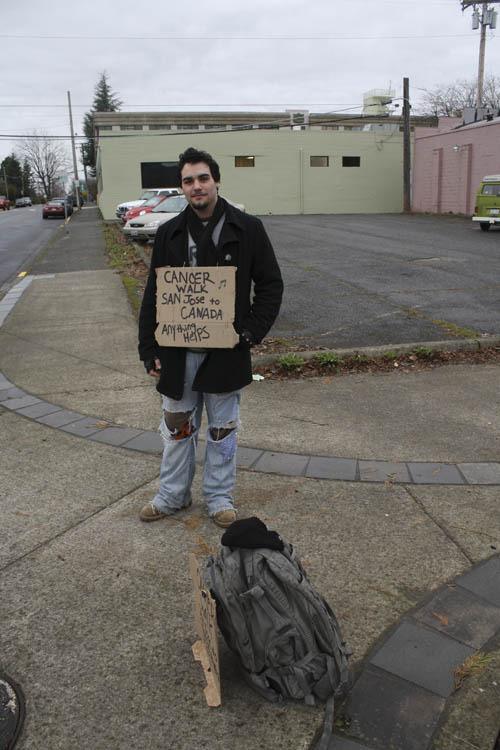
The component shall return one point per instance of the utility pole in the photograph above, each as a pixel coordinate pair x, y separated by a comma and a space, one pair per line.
406, 147
487, 17
75, 168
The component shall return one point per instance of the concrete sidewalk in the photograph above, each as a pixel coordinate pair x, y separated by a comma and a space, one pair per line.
96, 607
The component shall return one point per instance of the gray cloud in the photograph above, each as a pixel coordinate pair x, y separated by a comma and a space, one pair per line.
318, 74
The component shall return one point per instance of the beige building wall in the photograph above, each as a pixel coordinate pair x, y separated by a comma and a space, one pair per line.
282, 180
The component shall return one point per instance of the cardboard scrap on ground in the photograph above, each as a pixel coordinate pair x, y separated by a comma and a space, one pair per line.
195, 306
206, 649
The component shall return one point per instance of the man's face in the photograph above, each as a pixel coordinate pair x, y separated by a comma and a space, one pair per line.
199, 187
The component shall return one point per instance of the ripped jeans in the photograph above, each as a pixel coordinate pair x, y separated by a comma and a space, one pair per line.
179, 452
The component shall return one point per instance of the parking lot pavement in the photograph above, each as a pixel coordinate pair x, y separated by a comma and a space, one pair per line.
366, 280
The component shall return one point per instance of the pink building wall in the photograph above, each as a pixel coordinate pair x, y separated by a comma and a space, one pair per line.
448, 165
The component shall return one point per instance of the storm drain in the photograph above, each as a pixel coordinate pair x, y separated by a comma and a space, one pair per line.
11, 712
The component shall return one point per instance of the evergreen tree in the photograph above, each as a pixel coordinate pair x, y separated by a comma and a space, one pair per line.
11, 169
28, 180
104, 101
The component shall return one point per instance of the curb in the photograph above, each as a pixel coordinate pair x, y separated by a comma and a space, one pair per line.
469, 344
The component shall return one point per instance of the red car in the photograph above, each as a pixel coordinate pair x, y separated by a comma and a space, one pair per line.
146, 208
4, 203
54, 208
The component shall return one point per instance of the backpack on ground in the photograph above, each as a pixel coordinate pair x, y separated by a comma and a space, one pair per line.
285, 635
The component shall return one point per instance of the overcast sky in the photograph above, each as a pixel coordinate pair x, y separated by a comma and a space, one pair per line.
319, 55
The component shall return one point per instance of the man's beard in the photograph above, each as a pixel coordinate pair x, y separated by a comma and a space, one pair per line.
202, 205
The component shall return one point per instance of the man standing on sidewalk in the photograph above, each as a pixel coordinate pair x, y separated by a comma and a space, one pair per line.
209, 232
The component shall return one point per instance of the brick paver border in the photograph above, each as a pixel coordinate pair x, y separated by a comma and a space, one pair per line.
268, 462
416, 661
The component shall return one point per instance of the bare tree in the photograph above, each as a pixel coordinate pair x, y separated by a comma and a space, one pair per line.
48, 160
450, 99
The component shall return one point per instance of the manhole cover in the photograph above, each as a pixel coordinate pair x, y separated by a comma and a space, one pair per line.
11, 712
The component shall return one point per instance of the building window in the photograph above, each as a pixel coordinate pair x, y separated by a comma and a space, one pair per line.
244, 161
105, 127
351, 161
187, 127
159, 126
130, 127
329, 127
241, 127
268, 126
319, 161
159, 174
213, 126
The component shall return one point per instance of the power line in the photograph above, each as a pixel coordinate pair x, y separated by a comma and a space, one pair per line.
232, 38
199, 104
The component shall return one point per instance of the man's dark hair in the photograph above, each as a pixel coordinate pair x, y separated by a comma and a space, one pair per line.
193, 156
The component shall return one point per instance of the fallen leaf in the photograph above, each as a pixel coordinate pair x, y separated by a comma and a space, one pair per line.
101, 424
442, 618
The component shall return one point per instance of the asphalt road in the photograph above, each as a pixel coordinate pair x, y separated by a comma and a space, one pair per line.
22, 233
369, 280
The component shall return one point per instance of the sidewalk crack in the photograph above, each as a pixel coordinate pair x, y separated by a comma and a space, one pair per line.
440, 525
47, 542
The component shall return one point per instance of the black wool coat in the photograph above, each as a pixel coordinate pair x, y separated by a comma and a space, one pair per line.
243, 243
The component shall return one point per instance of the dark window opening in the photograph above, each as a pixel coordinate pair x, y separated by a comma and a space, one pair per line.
244, 161
159, 174
351, 161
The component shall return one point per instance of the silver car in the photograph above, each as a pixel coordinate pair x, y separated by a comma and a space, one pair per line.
21, 202
144, 227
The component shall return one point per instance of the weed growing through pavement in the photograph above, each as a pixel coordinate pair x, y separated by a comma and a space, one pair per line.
390, 356
423, 352
328, 360
291, 362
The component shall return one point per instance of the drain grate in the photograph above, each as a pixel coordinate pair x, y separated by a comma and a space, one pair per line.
11, 712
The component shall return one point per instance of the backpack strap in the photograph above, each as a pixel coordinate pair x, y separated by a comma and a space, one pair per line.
326, 735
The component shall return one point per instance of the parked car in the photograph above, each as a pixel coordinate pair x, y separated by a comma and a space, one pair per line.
146, 207
57, 207
4, 203
122, 208
143, 228
21, 202
487, 208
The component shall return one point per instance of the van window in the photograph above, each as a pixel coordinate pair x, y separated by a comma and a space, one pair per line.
491, 189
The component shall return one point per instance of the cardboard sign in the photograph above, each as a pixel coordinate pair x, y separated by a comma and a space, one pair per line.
206, 649
195, 306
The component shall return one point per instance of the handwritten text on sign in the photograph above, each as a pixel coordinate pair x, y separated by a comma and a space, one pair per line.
195, 306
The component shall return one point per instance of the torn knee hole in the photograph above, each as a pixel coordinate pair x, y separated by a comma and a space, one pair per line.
219, 433
179, 424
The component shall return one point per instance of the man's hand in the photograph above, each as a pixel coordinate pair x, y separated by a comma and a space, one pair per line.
153, 367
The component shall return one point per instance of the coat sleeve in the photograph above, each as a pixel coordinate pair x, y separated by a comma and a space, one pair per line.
148, 347
268, 286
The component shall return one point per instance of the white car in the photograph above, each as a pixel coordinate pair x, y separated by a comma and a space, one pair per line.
122, 208
145, 227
